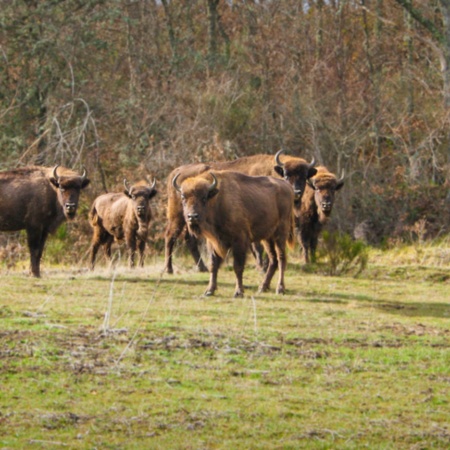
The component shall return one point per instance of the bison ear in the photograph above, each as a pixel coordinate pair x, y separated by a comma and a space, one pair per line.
85, 182
311, 172
152, 193
127, 193
212, 193
279, 170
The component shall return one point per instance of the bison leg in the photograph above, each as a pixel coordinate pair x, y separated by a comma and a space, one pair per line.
100, 237
272, 267
108, 244
193, 244
280, 249
36, 242
238, 266
216, 262
131, 244
257, 250
173, 231
141, 253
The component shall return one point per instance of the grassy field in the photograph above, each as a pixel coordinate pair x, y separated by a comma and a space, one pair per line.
122, 359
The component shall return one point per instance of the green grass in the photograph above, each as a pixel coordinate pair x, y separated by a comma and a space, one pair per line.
135, 359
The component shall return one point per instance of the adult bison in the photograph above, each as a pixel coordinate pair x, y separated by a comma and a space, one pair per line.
38, 199
122, 216
232, 210
316, 206
293, 169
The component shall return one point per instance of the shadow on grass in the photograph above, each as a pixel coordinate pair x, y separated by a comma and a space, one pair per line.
408, 309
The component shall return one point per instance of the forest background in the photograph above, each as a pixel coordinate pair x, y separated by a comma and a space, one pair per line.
136, 88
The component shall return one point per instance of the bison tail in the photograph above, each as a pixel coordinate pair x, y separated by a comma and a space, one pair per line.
93, 216
291, 236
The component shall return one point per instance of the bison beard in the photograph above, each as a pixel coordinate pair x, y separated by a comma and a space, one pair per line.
231, 210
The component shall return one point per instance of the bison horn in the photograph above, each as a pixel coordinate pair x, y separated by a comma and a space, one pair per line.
83, 176
174, 182
342, 177
312, 163
54, 174
152, 184
126, 184
277, 157
214, 183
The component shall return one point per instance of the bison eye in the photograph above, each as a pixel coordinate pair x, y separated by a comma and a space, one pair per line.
62, 189
183, 197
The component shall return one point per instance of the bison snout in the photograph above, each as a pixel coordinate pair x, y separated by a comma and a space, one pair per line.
192, 218
141, 211
71, 209
326, 206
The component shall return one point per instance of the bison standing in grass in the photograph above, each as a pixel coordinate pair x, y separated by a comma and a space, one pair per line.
122, 216
317, 204
293, 169
38, 199
231, 210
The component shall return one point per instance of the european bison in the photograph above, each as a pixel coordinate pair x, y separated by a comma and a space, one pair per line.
122, 216
293, 169
232, 210
316, 207
38, 199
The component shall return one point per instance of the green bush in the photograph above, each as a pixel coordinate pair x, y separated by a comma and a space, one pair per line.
343, 254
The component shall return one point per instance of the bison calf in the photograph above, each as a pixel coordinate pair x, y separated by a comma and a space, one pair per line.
122, 216
232, 210
38, 200
317, 204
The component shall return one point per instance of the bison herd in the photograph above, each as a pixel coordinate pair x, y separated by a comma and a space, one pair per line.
258, 203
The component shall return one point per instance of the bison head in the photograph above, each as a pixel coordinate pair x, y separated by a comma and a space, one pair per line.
140, 194
295, 171
195, 193
325, 185
69, 186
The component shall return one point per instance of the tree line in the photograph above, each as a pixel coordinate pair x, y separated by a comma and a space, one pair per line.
136, 87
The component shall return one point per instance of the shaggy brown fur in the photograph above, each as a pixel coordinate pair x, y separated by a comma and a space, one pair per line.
316, 207
293, 169
235, 212
122, 216
38, 199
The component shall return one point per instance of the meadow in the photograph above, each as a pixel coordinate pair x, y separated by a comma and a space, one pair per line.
131, 359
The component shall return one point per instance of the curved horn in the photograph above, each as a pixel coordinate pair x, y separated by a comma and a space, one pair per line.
126, 184
214, 183
83, 176
342, 176
312, 163
152, 184
174, 182
54, 174
277, 157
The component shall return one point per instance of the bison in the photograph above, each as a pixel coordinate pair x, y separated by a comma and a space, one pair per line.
232, 210
38, 199
315, 210
293, 169
122, 216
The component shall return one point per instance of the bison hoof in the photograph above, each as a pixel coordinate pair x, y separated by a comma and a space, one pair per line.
238, 294
263, 289
209, 293
280, 290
